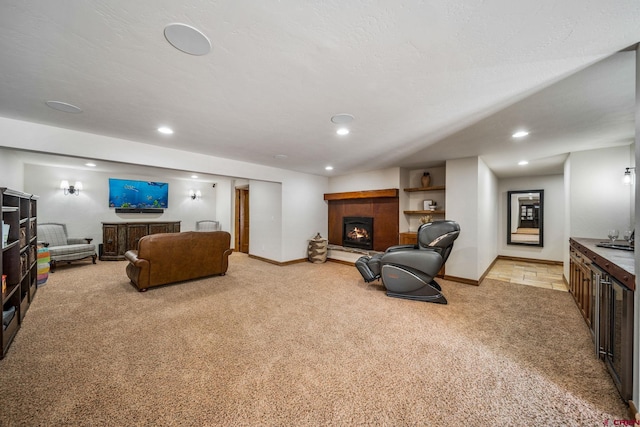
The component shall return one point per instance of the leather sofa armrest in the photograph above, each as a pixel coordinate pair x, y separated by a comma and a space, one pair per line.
137, 270
132, 257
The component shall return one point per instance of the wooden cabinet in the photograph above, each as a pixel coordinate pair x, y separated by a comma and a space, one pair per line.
580, 285
18, 264
408, 238
602, 283
119, 237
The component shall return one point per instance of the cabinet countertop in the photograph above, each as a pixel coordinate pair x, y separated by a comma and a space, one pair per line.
623, 260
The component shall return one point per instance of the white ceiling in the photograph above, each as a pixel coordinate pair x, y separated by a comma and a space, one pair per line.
425, 80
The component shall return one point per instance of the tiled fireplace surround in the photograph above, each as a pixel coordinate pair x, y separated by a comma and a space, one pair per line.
381, 205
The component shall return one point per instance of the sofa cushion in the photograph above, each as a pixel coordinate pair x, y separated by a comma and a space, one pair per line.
71, 252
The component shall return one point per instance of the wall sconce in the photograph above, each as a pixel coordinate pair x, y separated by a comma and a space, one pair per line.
627, 178
195, 194
71, 189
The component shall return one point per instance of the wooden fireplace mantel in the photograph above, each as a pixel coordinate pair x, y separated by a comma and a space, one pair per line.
367, 194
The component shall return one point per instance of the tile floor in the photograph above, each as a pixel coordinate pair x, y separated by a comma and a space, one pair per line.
528, 273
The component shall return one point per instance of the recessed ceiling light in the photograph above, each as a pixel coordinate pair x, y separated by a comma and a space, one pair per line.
520, 134
63, 106
165, 130
329, 168
280, 156
342, 118
343, 131
91, 165
187, 39
523, 162
194, 176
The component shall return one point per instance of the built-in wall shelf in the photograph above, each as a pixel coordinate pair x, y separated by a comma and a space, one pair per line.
433, 188
422, 212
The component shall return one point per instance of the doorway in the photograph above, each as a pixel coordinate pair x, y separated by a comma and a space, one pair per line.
242, 220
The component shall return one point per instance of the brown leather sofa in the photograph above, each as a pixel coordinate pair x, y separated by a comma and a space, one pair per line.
175, 257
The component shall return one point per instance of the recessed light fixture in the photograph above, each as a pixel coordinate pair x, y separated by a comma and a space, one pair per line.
194, 176
91, 165
280, 156
343, 131
187, 39
165, 130
523, 162
63, 106
329, 168
342, 118
520, 134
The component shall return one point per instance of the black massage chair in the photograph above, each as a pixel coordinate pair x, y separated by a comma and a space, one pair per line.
408, 271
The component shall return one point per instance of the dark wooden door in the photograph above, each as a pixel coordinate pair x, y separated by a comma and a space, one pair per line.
242, 220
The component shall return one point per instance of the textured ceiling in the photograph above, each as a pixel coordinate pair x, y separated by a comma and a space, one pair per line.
425, 80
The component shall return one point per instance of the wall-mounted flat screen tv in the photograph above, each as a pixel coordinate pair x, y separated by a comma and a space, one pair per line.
132, 194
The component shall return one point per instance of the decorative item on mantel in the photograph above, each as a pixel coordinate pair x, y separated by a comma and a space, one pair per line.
317, 250
425, 180
426, 219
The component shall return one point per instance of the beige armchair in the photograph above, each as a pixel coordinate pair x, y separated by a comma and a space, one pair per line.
64, 248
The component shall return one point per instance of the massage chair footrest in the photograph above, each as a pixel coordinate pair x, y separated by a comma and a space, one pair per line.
437, 298
369, 268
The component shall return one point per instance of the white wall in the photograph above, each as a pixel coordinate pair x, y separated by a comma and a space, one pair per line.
11, 170
84, 213
599, 200
373, 180
265, 215
462, 206
553, 221
224, 213
488, 208
404, 223
567, 215
304, 216
636, 220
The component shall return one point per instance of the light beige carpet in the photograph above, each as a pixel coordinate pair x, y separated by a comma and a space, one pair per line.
307, 344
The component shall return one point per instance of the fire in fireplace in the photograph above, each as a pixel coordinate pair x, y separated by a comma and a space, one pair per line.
357, 232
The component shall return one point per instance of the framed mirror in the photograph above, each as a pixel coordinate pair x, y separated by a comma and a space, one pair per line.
525, 217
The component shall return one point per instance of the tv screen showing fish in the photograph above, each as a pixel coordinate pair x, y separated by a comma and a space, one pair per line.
127, 193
